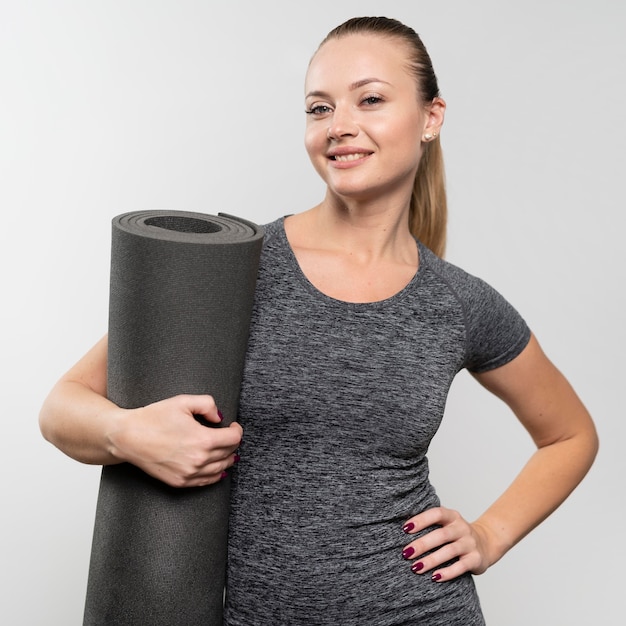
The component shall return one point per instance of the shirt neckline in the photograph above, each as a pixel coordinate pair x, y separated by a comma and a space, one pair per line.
312, 289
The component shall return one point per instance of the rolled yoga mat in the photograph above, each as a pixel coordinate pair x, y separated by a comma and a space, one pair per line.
181, 296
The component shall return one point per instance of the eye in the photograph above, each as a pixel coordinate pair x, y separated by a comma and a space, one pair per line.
318, 110
371, 100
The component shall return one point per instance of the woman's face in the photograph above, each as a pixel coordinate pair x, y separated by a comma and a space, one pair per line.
365, 121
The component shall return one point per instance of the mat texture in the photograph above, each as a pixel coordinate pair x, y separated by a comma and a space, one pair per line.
181, 295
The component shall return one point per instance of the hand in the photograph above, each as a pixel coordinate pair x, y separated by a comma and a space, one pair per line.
454, 539
165, 440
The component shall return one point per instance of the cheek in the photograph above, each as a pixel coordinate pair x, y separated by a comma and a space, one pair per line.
407, 139
314, 141
315, 145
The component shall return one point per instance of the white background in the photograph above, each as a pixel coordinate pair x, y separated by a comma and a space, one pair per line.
108, 107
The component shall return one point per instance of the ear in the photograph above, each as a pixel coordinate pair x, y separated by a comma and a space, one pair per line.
435, 113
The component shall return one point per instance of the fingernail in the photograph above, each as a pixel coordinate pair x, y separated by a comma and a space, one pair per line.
436, 577
219, 414
224, 474
408, 527
237, 457
408, 552
416, 567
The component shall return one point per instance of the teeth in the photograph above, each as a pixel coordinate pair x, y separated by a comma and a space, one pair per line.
350, 157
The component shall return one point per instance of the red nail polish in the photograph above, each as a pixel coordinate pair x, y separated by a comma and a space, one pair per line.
408, 552
237, 457
224, 474
416, 567
436, 577
408, 527
219, 414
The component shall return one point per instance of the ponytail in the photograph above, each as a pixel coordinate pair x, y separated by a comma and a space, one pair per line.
428, 216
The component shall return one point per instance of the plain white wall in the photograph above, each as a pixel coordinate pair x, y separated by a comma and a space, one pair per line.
108, 107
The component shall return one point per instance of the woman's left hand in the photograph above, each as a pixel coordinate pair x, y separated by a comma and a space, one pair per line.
455, 540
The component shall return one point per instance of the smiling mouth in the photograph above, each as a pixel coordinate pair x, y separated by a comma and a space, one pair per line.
343, 158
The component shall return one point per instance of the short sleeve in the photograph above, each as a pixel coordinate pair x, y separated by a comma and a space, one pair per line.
496, 332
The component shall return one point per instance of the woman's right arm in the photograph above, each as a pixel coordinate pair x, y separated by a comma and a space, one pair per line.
162, 438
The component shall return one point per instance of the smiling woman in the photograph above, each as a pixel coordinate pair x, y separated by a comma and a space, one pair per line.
365, 138
359, 328
389, 109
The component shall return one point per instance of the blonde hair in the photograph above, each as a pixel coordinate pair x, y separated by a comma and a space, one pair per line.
428, 215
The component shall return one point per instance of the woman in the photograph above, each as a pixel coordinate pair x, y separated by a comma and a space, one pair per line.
358, 330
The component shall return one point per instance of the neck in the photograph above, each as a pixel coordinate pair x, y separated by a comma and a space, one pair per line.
367, 230
356, 253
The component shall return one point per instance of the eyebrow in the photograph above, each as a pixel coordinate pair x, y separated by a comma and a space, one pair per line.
355, 85
367, 81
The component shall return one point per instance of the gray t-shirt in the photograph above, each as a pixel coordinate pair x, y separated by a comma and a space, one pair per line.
339, 403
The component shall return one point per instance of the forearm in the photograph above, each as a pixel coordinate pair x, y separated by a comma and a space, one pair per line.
543, 484
162, 438
79, 421
566, 440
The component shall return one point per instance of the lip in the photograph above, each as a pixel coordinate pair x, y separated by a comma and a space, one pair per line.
348, 156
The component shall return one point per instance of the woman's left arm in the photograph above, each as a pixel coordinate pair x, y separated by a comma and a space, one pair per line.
566, 440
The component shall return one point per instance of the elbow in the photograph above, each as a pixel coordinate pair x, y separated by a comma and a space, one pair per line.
46, 423
587, 447
593, 443
589, 435
49, 418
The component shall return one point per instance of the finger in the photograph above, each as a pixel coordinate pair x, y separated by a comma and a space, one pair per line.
214, 453
454, 570
223, 441
443, 556
207, 475
430, 517
433, 540
206, 480
214, 473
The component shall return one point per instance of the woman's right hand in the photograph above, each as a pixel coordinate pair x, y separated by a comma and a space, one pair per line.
166, 441
163, 439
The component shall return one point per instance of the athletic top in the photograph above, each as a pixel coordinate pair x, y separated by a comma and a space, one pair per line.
339, 403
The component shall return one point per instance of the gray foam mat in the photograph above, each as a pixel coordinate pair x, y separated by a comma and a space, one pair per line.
181, 296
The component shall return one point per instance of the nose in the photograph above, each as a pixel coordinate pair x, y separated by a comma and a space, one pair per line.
342, 124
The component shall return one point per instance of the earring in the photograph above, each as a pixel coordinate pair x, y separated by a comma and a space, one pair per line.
429, 136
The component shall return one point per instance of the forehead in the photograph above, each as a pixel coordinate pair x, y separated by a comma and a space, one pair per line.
354, 57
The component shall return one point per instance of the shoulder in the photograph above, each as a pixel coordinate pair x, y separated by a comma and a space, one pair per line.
274, 251
496, 332
273, 227
465, 286
272, 234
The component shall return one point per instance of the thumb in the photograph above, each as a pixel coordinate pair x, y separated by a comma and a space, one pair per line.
203, 409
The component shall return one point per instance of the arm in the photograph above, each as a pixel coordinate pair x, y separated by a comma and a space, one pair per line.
162, 438
567, 443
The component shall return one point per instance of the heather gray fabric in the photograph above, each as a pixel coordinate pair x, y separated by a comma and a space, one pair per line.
339, 403
182, 288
